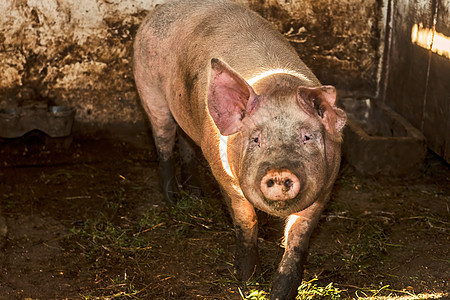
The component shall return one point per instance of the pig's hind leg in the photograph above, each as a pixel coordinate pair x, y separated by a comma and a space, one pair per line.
164, 130
190, 177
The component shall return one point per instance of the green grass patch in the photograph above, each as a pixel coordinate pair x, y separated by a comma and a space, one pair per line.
308, 290
103, 237
367, 249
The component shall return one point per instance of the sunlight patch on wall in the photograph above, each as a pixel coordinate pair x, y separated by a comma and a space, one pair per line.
431, 39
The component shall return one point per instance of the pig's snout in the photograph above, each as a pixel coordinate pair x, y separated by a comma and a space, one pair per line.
280, 185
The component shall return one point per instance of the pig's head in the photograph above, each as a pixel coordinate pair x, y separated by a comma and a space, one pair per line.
284, 145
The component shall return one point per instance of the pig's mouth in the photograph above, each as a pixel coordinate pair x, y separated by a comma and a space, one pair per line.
283, 208
280, 204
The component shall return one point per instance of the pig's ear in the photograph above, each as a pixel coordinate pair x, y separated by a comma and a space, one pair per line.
230, 98
319, 101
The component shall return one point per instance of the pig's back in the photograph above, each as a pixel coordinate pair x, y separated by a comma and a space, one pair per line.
198, 30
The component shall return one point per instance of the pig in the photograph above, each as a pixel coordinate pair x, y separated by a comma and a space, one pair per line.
228, 82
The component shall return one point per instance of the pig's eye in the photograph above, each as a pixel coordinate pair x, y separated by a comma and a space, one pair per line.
306, 135
306, 138
256, 141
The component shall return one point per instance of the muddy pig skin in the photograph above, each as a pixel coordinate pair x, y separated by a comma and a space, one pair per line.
224, 79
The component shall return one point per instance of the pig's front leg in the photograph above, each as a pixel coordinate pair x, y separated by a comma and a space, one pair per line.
297, 233
246, 263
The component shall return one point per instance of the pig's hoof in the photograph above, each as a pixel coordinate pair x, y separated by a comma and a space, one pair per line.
247, 271
285, 286
194, 190
168, 181
190, 179
171, 190
247, 267
192, 186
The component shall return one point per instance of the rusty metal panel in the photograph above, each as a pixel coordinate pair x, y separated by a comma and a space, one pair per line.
436, 116
408, 63
418, 85
436, 119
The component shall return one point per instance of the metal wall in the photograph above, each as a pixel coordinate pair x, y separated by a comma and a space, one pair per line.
417, 82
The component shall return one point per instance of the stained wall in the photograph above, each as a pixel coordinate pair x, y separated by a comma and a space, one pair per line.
78, 52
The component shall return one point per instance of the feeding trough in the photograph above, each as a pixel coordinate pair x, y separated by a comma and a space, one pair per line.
55, 121
377, 140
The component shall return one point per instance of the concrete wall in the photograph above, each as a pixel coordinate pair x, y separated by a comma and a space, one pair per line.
418, 84
72, 52
77, 52
338, 40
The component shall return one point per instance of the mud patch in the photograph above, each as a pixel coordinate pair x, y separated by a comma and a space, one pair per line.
87, 220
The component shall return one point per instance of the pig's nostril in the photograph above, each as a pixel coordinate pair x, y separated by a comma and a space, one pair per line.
280, 185
288, 183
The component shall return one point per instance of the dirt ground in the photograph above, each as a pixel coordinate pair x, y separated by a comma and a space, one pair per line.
84, 219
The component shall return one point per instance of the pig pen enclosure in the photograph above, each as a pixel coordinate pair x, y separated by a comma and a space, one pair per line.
81, 213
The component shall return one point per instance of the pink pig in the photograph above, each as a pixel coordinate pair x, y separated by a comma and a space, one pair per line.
269, 130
